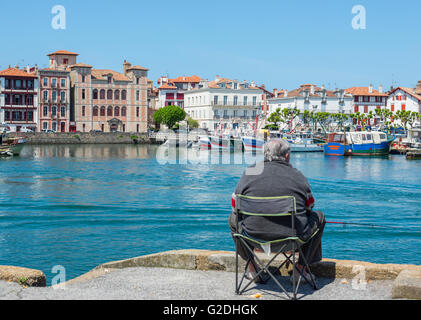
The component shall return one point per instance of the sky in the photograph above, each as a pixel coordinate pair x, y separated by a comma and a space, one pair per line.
279, 43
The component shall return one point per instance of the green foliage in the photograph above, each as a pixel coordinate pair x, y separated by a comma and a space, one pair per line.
271, 127
193, 124
169, 116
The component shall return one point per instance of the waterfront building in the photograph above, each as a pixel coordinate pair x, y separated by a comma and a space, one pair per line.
54, 92
171, 91
366, 99
103, 99
224, 104
19, 98
109, 101
312, 98
405, 99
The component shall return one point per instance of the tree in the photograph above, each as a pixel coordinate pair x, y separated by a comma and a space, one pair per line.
169, 116
193, 124
275, 117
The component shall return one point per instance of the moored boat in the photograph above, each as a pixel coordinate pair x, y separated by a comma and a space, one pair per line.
13, 144
253, 144
371, 143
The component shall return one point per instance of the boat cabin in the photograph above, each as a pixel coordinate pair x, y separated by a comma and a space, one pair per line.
359, 137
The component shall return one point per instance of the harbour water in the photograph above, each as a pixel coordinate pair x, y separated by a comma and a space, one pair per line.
80, 206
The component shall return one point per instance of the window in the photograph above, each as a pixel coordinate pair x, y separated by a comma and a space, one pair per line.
137, 128
117, 95
54, 111
110, 78
45, 82
137, 80
235, 100
83, 79
95, 94
392, 108
245, 100
54, 95
225, 100
63, 83
365, 109
137, 95
215, 100
45, 111
235, 113
254, 101
110, 111
63, 96
102, 94
254, 113
110, 94
235, 85
7, 84
123, 111
45, 125
63, 111
83, 94
403, 107
356, 99
123, 95
65, 61
137, 111
18, 84
102, 113
366, 99
54, 82
83, 111
117, 111
84, 127
95, 111
45, 95
356, 108
245, 113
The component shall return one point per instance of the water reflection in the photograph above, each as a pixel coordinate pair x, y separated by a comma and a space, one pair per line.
100, 152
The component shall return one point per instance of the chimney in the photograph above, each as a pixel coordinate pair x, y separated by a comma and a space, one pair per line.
370, 89
381, 88
126, 66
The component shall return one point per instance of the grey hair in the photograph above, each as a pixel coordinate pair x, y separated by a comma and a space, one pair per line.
276, 149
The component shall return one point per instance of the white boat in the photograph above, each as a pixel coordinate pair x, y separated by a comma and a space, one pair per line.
253, 144
306, 145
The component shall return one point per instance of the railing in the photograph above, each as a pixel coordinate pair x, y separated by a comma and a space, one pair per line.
237, 104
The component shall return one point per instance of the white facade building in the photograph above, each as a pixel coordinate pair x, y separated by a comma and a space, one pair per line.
224, 104
405, 99
312, 98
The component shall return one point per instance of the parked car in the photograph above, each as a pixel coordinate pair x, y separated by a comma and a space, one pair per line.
95, 131
48, 131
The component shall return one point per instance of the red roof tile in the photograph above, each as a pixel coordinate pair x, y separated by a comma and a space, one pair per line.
15, 72
364, 91
63, 52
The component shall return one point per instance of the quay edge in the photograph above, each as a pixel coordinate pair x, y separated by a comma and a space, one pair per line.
407, 278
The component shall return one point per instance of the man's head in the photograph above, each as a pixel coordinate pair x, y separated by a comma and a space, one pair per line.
277, 149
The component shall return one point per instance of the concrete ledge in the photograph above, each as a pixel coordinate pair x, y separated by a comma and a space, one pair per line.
225, 261
23, 276
407, 285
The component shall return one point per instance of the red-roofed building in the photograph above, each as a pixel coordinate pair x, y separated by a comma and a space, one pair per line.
405, 99
55, 109
368, 99
171, 91
19, 98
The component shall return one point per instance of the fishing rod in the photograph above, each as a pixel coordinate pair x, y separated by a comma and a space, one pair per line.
370, 225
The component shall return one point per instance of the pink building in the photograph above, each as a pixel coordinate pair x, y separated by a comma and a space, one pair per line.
54, 113
103, 99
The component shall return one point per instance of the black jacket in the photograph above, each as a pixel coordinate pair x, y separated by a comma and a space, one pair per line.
278, 178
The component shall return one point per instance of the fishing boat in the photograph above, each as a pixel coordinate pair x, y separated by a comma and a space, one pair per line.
301, 142
371, 143
204, 143
13, 145
226, 143
253, 143
5, 152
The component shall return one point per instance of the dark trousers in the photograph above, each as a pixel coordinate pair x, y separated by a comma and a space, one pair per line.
311, 249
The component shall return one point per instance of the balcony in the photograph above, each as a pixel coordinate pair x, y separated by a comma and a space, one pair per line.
236, 104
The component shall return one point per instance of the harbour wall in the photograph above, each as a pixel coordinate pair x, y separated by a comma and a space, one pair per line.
407, 278
86, 138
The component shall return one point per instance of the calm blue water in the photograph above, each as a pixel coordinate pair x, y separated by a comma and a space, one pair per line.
80, 206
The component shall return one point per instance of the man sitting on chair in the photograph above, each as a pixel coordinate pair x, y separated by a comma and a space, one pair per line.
279, 178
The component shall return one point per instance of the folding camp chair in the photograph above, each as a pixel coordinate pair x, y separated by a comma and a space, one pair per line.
270, 208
